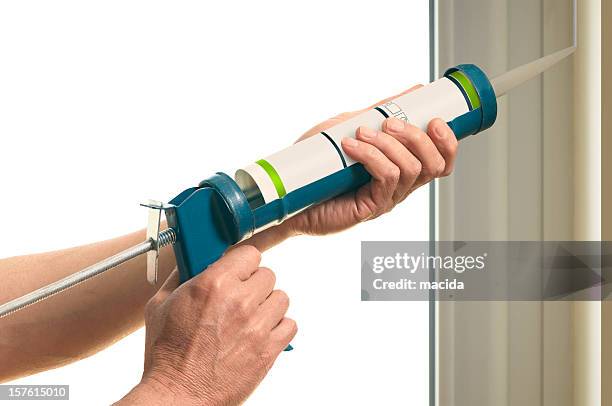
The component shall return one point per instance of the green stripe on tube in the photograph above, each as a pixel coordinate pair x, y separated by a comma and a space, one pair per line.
468, 88
274, 177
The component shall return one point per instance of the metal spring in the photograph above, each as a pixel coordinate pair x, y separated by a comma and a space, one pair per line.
166, 237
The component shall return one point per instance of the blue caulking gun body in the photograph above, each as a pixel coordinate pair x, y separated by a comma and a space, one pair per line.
204, 221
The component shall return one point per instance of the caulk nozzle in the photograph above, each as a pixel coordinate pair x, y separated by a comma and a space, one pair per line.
509, 80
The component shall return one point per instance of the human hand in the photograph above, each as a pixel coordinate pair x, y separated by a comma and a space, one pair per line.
213, 339
400, 158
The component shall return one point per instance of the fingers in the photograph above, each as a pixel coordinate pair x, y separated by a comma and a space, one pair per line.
446, 142
409, 166
240, 262
385, 177
282, 334
260, 285
421, 145
272, 311
400, 158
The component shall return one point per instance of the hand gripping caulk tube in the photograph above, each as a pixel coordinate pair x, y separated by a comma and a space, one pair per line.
464, 98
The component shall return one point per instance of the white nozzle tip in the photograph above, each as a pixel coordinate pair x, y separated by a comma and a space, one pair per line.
509, 80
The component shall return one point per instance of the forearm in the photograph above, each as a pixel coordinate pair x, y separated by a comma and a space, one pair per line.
80, 321
88, 317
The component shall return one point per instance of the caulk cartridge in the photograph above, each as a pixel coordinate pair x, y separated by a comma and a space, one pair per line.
464, 98
222, 210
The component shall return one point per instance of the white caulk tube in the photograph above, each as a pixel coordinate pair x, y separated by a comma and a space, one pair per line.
464, 97
321, 155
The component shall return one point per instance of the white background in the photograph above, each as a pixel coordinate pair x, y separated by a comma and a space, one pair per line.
105, 104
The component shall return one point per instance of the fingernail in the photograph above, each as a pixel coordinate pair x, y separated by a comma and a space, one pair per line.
367, 132
350, 142
395, 124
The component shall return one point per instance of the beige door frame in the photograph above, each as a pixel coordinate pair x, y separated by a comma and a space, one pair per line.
531, 177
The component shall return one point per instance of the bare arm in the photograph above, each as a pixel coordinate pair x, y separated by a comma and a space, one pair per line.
86, 318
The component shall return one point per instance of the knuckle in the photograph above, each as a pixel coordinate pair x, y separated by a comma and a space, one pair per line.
415, 167
427, 171
412, 138
258, 334
413, 134
292, 326
251, 252
244, 309
421, 137
208, 285
440, 165
403, 136
371, 151
453, 146
383, 137
436, 123
268, 273
447, 171
392, 174
433, 168
283, 298
240, 307
212, 284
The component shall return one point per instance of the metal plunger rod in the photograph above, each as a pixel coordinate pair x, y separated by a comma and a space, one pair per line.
166, 237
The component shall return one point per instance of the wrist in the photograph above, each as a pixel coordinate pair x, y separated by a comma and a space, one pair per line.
152, 392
